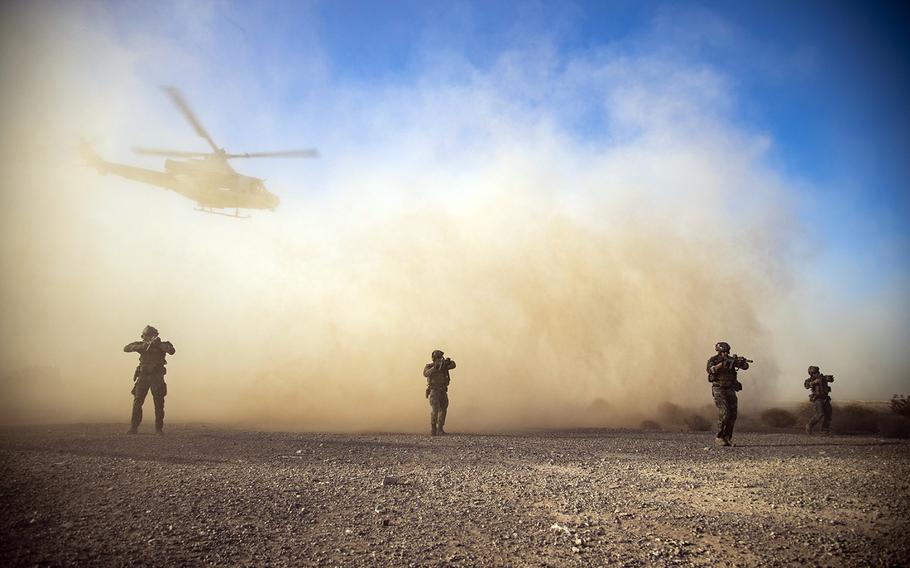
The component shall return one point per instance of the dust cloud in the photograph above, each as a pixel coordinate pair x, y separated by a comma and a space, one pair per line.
576, 280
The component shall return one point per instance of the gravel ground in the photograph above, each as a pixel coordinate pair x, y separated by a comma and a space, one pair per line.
90, 495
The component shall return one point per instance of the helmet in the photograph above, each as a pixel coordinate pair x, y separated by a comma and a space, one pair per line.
150, 332
813, 369
436, 354
722, 346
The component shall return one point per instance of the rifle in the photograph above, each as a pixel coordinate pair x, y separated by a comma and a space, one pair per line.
731, 362
736, 362
822, 382
819, 386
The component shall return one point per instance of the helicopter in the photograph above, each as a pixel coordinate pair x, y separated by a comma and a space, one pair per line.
204, 177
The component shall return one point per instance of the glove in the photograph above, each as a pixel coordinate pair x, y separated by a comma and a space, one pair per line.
427, 394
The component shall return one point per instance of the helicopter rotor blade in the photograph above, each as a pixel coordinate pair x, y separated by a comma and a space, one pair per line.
169, 153
306, 153
180, 102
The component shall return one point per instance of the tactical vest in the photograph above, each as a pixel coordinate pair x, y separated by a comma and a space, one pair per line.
438, 379
820, 390
152, 361
723, 377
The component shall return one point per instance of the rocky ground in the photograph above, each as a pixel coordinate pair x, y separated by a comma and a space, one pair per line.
90, 495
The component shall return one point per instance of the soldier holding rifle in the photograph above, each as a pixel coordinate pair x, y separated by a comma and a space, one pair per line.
820, 398
149, 375
722, 369
437, 375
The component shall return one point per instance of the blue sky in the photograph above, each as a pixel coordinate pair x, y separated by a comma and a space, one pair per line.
827, 81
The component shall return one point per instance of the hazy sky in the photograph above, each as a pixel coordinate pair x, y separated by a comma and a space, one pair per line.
575, 199
826, 82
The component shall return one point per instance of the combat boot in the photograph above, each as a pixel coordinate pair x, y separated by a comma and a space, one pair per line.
433, 431
809, 427
132, 430
721, 441
441, 432
159, 432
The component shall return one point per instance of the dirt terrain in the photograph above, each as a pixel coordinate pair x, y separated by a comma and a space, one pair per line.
90, 495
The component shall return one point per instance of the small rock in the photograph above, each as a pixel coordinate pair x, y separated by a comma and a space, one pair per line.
560, 528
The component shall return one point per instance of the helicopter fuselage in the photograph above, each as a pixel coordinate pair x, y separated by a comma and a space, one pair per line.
205, 177
217, 185
210, 185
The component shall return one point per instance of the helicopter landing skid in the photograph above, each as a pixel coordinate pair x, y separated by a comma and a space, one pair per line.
236, 214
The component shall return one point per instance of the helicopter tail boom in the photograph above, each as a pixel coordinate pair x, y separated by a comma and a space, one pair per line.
152, 177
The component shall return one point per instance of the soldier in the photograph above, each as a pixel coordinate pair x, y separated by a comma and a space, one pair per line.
149, 375
820, 398
437, 374
724, 384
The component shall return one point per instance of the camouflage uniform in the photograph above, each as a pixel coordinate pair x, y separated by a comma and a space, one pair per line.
149, 375
820, 399
437, 375
724, 385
